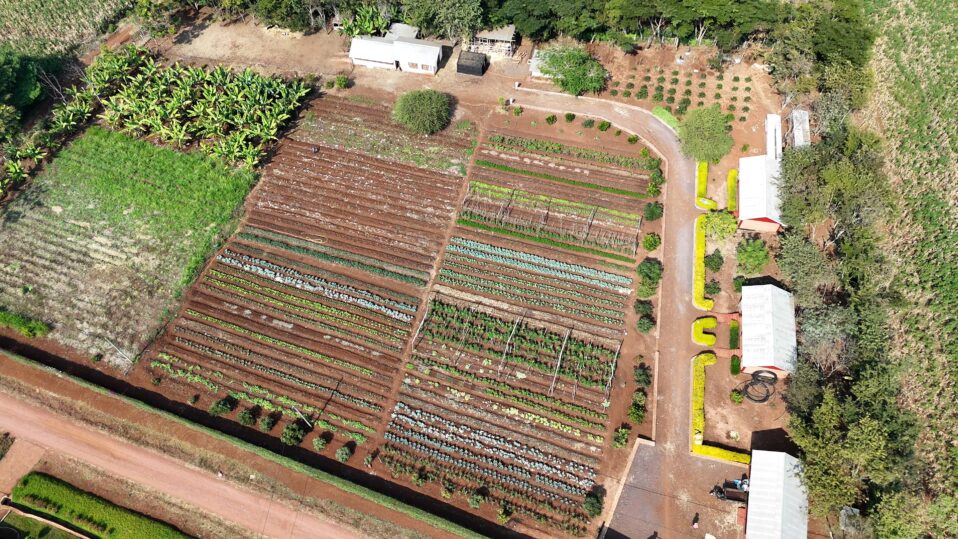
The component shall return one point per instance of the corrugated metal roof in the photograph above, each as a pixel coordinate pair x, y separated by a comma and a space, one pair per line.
417, 51
777, 499
758, 188
768, 328
773, 136
399, 30
503, 33
377, 49
801, 133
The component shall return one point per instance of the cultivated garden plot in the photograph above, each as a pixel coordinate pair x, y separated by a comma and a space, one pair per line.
307, 309
507, 400
506, 409
374, 215
105, 238
40, 27
359, 123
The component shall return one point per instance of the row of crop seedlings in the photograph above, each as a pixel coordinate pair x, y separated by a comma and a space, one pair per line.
469, 456
637, 176
550, 218
534, 280
317, 298
330, 309
222, 373
473, 345
325, 253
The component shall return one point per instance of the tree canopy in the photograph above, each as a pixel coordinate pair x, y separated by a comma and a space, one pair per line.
446, 18
423, 111
705, 134
574, 70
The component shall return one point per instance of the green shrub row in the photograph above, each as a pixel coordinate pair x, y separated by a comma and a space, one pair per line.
26, 326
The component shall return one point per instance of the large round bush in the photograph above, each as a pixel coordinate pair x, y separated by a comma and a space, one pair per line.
423, 111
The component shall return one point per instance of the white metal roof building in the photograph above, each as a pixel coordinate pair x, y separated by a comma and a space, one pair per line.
535, 66
417, 55
800, 128
758, 200
777, 499
768, 329
371, 51
398, 48
773, 136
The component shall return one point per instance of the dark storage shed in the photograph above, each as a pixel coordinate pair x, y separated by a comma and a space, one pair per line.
471, 63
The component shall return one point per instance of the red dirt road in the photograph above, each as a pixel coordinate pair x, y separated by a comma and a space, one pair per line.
161, 473
666, 485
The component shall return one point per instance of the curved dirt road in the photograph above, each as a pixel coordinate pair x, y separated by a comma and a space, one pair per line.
158, 472
666, 485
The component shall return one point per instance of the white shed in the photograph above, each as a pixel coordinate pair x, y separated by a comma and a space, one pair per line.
773, 136
758, 200
417, 55
371, 51
398, 48
535, 66
777, 499
768, 329
800, 128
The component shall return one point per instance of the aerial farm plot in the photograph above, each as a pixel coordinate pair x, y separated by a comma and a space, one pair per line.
507, 396
104, 240
461, 333
309, 306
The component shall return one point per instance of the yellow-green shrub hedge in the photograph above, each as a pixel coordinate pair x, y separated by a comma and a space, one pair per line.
719, 453
732, 185
698, 414
698, 394
699, 336
698, 268
702, 201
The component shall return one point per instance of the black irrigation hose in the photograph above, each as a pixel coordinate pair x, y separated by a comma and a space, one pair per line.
761, 387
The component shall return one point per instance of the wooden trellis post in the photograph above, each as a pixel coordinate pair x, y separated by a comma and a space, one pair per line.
421, 324
559, 362
505, 351
612, 374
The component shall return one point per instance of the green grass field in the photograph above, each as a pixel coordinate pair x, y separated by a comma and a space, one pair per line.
107, 237
62, 501
30, 529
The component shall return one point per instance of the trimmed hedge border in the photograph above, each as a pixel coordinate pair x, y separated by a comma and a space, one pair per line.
732, 186
667, 117
698, 268
698, 414
702, 201
699, 336
296, 466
